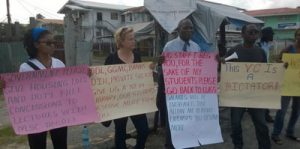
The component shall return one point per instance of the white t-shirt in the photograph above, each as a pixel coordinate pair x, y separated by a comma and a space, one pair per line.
177, 44
56, 63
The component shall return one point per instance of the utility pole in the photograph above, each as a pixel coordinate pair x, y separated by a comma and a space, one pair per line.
8, 13
8, 19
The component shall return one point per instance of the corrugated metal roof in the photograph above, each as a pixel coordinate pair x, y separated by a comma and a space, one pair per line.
272, 12
137, 9
138, 27
88, 4
74, 7
50, 21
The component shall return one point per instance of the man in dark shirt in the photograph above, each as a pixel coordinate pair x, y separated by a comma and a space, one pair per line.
248, 52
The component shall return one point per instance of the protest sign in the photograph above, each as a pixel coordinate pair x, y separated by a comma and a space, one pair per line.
123, 90
191, 94
252, 85
291, 83
41, 100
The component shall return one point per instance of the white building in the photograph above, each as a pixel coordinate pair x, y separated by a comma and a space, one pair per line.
96, 22
94, 19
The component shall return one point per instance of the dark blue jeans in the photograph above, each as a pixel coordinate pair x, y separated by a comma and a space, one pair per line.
279, 118
261, 128
141, 124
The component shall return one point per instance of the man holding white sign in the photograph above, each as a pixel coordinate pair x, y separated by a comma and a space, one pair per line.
191, 99
185, 28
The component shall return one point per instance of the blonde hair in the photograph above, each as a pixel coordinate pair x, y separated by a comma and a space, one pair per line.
120, 35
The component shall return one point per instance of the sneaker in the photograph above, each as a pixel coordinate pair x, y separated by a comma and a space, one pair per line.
294, 138
277, 140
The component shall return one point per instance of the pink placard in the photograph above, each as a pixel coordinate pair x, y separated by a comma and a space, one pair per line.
190, 72
41, 100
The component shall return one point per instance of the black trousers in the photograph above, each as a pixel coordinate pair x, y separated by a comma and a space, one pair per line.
58, 137
141, 124
261, 128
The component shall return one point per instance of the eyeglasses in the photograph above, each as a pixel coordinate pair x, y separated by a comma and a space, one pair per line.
48, 43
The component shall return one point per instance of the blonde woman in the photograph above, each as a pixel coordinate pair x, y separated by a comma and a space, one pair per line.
125, 41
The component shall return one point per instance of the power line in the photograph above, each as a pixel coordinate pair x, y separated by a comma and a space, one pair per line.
4, 20
25, 8
38, 7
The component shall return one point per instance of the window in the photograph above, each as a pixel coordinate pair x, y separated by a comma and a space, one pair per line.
98, 33
284, 18
114, 16
99, 16
130, 16
123, 18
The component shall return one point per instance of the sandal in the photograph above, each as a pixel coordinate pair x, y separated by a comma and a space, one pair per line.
277, 140
294, 138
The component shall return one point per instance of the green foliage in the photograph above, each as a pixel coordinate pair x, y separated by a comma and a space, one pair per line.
8, 136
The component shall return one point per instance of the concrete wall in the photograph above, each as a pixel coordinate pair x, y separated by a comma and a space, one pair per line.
280, 33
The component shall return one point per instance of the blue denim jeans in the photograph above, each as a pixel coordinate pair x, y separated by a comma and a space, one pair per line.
141, 124
279, 118
261, 128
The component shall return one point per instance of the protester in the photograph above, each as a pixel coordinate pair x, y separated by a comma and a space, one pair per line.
285, 100
248, 52
125, 41
39, 44
182, 43
266, 41
266, 44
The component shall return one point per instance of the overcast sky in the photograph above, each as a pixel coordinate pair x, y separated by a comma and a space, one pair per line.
21, 10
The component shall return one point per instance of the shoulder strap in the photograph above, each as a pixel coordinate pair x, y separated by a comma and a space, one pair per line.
32, 65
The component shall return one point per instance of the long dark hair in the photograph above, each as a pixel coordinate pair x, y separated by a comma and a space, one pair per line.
28, 42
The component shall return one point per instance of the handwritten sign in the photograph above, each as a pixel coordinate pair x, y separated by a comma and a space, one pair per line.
291, 83
252, 85
41, 100
169, 13
191, 94
123, 90
190, 73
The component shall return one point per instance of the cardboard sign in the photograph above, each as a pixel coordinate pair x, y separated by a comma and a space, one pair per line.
291, 83
123, 90
41, 100
252, 85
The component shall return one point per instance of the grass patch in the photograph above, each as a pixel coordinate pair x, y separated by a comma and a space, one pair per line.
7, 136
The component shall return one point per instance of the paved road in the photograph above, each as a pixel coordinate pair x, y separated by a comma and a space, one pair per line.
156, 140
102, 137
